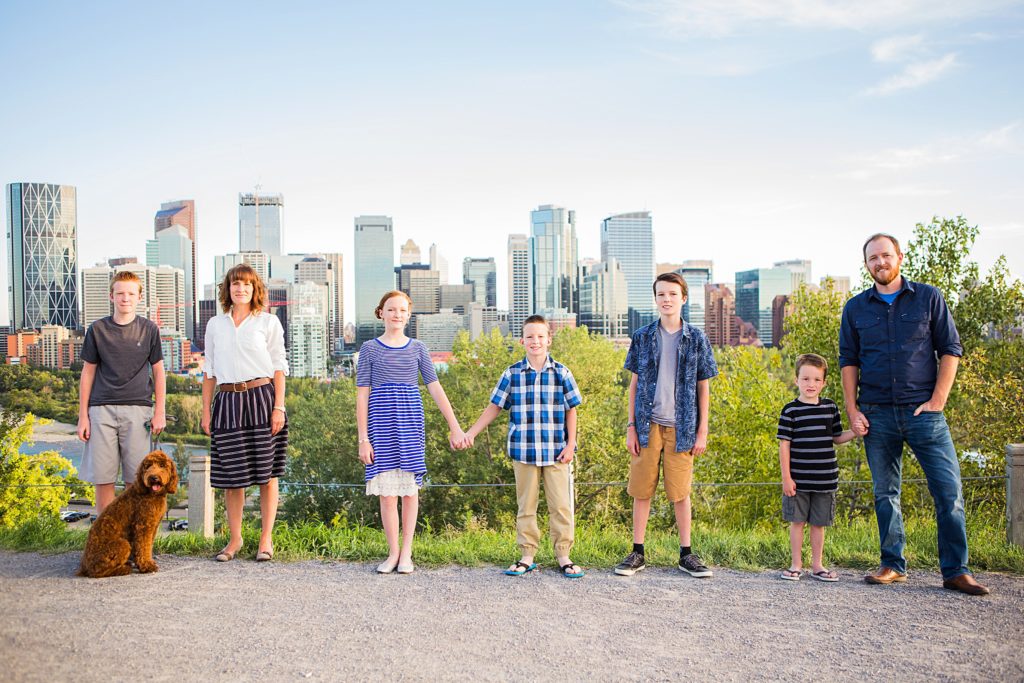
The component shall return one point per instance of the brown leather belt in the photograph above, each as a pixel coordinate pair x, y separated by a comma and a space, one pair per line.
244, 386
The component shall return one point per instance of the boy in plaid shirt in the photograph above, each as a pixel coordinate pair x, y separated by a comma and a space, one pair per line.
541, 397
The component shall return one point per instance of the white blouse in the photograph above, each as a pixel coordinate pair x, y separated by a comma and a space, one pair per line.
252, 350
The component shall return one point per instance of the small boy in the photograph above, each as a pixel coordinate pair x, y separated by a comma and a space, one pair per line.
671, 363
541, 396
808, 428
115, 394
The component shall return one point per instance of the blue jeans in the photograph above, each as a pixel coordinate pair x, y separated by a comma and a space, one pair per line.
928, 437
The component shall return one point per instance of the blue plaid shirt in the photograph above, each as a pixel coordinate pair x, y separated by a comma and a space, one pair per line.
537, 403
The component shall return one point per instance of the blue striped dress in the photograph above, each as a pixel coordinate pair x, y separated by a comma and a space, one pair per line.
396, 410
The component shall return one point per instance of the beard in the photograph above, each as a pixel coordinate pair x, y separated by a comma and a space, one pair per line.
884, 276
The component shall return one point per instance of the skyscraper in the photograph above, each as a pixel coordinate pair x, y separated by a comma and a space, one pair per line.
755, 291
629, 239
172, 247
410, 253
374, 257
483, 275
336, 263
800, 269
553, 255
96, 294
720, 323
439, 263
260, 222
183, 213
520, 283
420, 283
696, 274
42, 248
604, 300
308, 329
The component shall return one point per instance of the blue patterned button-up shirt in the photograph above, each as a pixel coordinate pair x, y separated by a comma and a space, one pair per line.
696, 362
537, 403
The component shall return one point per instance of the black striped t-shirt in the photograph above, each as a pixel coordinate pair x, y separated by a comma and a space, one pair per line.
812, 456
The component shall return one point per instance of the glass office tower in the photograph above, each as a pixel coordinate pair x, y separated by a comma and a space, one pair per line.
483, 275
554, 254
755, 291
374, 258
520, 283
696, 274
42, 255
629, 239
261, 223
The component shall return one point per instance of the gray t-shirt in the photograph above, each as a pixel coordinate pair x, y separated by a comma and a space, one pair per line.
664, 411
124, 356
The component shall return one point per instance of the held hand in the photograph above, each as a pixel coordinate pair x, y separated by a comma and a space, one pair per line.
700, 446
858, 423
932, 405
158, 423
632, 442
366, 453
788, 486
457, 439
205, 423
84, 428
469, 440
567, 454
276, 421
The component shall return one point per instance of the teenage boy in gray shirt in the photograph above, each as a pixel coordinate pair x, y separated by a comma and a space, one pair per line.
122, 368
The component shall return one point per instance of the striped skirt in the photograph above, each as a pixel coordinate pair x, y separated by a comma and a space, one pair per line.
243, 452
396, 431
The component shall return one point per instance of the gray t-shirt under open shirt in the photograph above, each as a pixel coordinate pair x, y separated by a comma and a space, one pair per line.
664, 411
124, 356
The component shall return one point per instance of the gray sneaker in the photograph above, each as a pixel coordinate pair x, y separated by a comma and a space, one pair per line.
692, 565
633, 563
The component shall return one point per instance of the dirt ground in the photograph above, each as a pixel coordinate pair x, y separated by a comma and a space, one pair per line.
197, 619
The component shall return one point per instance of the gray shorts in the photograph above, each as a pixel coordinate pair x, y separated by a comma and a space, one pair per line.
816, 507
118, 436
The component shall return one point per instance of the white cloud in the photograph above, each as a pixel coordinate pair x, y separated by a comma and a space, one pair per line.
908, 191
915, 74
897, 48
1003, 138
719, 18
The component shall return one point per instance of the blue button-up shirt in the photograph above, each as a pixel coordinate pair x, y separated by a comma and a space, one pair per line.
537, 403
896, 345
696, 362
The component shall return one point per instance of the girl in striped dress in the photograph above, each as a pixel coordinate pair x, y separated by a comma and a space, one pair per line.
389, 416
246, 362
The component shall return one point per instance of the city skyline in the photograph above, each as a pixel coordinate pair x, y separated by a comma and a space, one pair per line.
752, 135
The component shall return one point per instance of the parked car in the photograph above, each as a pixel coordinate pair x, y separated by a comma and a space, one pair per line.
177, 525
73, 515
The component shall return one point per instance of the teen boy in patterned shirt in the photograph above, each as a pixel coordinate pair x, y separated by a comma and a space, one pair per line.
541, 396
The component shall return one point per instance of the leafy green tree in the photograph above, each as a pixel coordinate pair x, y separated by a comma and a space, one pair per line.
813, 327
32, 485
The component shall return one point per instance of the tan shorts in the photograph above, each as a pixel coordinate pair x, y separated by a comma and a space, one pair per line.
643, 469
118, 437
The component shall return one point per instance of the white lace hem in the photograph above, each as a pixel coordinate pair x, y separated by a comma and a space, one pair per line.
393, 483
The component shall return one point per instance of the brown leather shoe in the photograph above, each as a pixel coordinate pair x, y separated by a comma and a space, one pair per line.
884, 576
965, 583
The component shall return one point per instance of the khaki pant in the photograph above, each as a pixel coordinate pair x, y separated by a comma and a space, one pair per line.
119, 437
644, 469
558, 490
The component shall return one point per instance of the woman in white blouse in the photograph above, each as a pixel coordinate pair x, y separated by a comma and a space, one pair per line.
247, 363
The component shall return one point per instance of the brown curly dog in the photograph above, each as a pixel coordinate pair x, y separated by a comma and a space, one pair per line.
128, 526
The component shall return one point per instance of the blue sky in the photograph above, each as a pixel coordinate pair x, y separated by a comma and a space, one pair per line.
754, 131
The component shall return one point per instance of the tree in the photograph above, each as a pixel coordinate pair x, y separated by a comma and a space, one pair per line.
32, 485
813, 327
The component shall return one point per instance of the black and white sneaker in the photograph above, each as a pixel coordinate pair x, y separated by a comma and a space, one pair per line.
633, 563
692, 565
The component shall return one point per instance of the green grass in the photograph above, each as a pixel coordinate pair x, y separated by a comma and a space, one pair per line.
849, 544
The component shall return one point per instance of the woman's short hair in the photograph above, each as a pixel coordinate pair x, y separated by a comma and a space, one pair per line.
245, 273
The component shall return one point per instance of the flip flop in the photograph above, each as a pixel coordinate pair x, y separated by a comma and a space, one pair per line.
520, 569
570, 574
826, 575
791, 575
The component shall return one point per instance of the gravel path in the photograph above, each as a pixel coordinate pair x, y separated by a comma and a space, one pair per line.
337, 621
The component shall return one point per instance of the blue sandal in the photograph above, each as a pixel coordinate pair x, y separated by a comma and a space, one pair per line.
572, 575
520, 569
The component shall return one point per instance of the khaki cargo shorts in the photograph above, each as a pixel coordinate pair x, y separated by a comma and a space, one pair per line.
644, 469
118, 437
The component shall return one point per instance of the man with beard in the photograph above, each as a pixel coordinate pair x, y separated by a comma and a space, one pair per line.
895, 391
